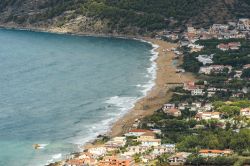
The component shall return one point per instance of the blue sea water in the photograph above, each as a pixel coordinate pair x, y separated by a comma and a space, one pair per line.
63, 90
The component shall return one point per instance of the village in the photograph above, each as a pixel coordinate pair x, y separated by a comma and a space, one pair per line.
190, 126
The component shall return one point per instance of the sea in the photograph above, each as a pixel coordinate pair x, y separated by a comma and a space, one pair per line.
61, 91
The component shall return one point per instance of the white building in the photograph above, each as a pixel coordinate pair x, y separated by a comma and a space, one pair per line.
136, 150
207, 116
165, 148
151, 142
148, 139
98, 151
197, 92
136, 132
214, 68
205, 59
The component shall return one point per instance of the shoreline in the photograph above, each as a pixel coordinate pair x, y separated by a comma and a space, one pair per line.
159, 94
154, 98
60, 31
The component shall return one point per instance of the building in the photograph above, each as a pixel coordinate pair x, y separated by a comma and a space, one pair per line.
238, 74
116, 161
219, 27
208, 107
205, 59
229, 46
173, 112
245, 112
168, 106
148, 139
179, 158
88, 158
247, 66
136, 132
244, 24
165, 148
197, 92
151, 142
75, 162
195, 47
223, 47
116, 142
156, 131
207, 115
147, 158
215, 153
191, 30
189, 86
98, 151
214, 69
147, 135
136, 150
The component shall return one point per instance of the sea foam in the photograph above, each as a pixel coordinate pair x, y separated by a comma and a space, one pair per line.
122, 103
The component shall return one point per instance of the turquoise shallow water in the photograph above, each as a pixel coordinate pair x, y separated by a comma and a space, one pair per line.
63, 90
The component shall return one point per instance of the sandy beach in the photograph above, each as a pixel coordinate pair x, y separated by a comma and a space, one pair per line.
159, 94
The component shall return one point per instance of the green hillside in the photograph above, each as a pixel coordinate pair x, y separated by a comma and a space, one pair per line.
122, 16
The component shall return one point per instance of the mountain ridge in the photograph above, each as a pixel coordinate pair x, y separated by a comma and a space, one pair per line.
119, 16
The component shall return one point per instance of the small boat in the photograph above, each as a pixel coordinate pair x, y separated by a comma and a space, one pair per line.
39, 146
36, 146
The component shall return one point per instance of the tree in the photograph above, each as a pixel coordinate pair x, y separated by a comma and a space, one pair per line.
230, 111
246, 73
241, 141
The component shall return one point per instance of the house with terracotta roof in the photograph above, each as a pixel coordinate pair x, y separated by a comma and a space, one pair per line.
189, 86
207, 115
229, 46
88, 158
234, 45
215, 152
173, 112
116, 161
75, 162
223, 47
245, 112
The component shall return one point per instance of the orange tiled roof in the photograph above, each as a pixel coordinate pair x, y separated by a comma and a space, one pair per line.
173, 110
213, 151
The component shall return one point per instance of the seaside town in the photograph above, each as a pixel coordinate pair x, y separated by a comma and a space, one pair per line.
206, 121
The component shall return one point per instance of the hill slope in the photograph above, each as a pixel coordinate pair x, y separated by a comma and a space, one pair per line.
119, 16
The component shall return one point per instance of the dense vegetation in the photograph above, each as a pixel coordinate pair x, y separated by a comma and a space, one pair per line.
138, 16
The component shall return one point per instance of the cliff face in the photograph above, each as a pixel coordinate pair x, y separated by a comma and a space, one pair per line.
119, 16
